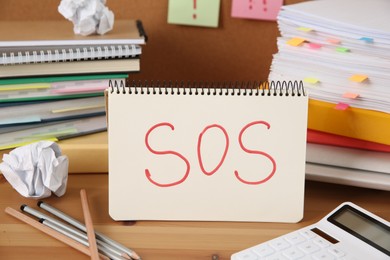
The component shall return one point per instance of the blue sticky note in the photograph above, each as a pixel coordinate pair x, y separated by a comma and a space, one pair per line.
367, 39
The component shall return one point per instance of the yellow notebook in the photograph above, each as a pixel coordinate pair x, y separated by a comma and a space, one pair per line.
87, 154
357, 123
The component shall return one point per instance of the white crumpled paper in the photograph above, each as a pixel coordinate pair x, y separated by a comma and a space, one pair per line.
36, 170
88, 16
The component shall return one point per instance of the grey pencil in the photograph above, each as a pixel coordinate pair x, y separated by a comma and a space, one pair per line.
49, 231
79, 239
82, 227
71, 229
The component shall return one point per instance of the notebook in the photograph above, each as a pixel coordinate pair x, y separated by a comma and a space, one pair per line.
17, 55
15, 136
125, 65
60, 33
206, 151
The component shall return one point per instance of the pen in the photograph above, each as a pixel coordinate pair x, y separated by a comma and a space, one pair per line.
55, 234
80, 226
71, 230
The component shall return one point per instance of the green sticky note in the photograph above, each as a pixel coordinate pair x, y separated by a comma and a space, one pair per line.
194, 12
342, 49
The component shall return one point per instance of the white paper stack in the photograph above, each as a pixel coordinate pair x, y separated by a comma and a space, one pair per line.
340, 49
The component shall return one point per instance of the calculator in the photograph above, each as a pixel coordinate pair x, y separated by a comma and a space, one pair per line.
348, 232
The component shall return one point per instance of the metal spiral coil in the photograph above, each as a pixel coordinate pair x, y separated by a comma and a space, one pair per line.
256, 88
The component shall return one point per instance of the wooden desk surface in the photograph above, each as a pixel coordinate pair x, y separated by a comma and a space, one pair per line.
164, 240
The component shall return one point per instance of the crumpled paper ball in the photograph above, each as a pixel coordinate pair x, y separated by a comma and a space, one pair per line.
36, 170
88, 16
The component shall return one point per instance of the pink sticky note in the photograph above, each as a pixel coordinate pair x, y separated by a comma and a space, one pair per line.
350, 95
341, 106
256, 9
313, 45
334, 40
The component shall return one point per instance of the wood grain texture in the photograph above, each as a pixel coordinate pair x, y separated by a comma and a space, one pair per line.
165, 239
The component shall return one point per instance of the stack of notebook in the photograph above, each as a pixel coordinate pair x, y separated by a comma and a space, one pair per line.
340, 49
52, 81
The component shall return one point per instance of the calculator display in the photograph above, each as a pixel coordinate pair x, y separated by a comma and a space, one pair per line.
362, 226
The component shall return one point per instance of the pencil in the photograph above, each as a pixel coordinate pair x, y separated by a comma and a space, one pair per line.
89, 225
81, 239
80, 226
73, 231
66, 240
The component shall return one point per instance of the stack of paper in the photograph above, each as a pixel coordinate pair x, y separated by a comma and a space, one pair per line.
340, 49
52, 81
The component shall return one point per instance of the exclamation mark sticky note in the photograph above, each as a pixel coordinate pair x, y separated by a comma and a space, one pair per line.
256, 9
194, 12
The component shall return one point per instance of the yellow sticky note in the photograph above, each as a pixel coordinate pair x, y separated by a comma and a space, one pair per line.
305, 29
351, 95
358, 78
295, 41
311, 80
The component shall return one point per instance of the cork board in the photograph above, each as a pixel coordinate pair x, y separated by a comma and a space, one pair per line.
238, 50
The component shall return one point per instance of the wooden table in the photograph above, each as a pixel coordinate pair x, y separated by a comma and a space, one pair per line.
164, 240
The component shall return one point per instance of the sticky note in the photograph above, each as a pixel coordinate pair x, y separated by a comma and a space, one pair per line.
295, 41
304, 29
358, 78
342, 49
194, 12
367, 39
341, 106
311, 80
313, 45
351, 95
256, 9
333, 40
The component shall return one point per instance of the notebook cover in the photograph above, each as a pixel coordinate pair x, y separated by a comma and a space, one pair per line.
52, 33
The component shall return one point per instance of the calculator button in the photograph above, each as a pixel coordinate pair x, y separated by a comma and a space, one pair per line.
307, 234
323, 255
263, 250
293, 253
321, 242
279, 244
336, 252
309, 247
277, 256
295, 238
247, 255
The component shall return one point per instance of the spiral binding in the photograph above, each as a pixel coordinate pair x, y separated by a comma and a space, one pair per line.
69, 54
257, 88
